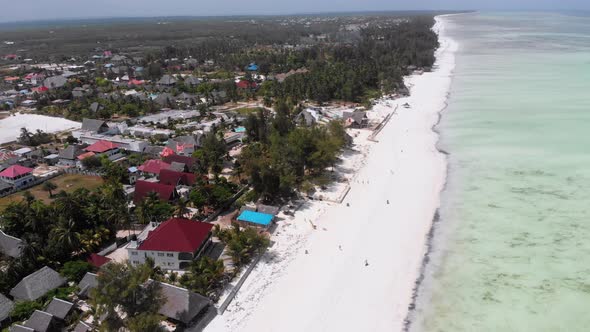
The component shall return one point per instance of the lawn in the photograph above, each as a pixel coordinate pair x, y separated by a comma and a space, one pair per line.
247, 110
66, 182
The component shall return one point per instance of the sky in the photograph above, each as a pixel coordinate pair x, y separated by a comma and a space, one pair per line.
28, 10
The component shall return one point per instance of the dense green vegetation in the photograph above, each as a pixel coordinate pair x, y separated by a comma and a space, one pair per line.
243, 244
281, 156
125, 289
70, 227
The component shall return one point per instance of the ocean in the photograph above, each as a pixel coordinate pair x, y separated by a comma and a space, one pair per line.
511, 251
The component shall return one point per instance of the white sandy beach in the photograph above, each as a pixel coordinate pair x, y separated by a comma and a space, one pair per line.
331, 288
10, 126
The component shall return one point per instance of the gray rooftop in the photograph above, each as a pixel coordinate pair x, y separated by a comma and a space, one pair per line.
5, 307
40, 321
184, 139
176, 166
59, 308
95, 107
167, 80
82, 327
153, 149
356, 116
10, 245
268, 209
191, 80
37, 284
55, 82
88, 282
164, 98
68, 153
93, 125
181, 304
20, 328
4, 185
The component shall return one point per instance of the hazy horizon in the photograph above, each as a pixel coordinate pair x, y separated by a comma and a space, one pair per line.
72, 9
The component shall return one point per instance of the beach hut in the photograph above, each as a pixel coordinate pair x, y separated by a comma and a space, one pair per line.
258, 219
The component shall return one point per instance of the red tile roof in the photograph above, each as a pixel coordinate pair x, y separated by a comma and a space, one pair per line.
143, 188
102, 146
167, 152
181, 146
153, 166
174, 178
14, 171
40, 89
177, 235
135, 82
188, 161
246, 85
6, 155
97, 260
86, 155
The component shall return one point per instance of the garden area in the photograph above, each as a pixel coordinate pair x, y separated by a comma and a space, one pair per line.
66, 182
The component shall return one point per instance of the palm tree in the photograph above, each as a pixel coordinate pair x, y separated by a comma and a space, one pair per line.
182, 208
65, 234
49, 187
29, 198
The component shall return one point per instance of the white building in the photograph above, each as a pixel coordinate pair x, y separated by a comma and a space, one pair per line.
173, 245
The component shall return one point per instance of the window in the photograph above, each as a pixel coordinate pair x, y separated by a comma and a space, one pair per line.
134, 253
160, 254
170, 264
170, 255
135, 262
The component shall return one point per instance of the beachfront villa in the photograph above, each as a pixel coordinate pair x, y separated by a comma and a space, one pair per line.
173, 245
18, 176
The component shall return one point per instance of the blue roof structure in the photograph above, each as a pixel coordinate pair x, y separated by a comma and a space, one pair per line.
258, 218
252, 67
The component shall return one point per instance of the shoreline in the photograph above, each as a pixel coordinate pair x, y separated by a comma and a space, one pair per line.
418, 287
365, 259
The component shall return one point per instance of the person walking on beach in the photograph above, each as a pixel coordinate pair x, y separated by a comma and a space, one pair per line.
366, 262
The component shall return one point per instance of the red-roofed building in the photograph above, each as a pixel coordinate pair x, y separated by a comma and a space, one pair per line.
175, 178
17, 175
167, 152
153, 166
97, 260
7, 158
11, 57
173, 245
11, 79
190, 162
134, 82
102, 147
143, 188
85, 155
105, 148
243, 84
40, 89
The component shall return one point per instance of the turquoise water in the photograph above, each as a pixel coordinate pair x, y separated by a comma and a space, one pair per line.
512, 249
